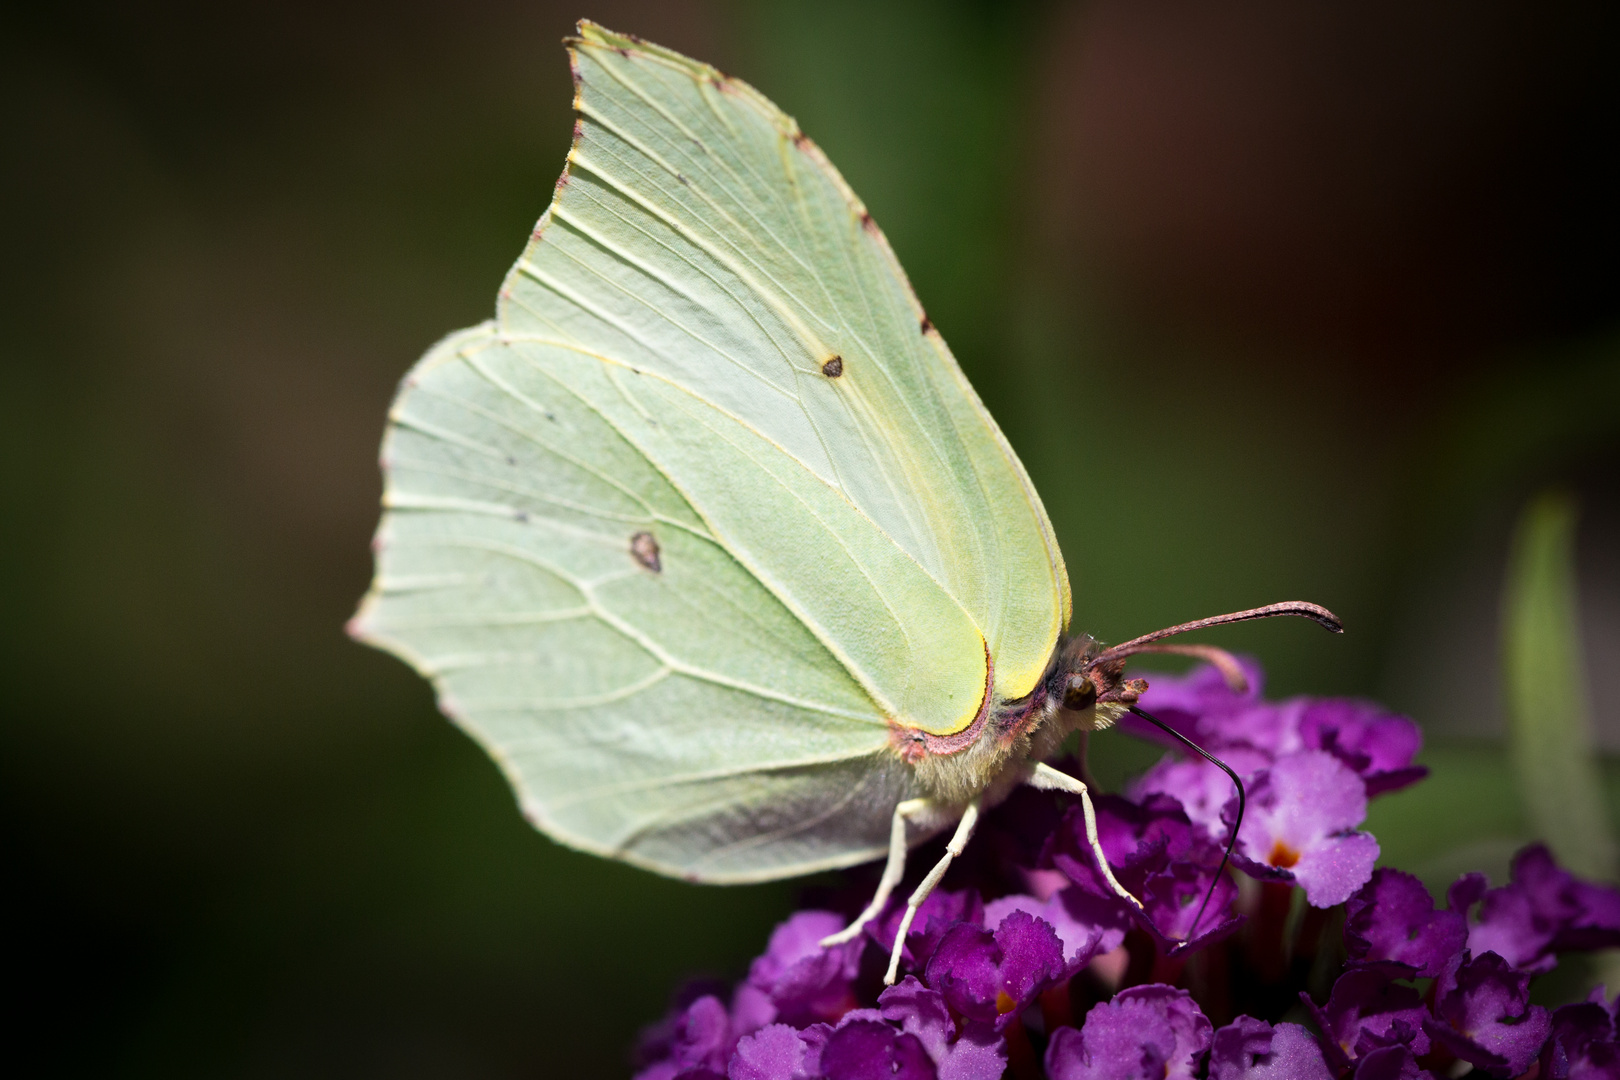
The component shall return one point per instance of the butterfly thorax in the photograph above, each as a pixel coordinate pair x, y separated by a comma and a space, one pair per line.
1080, 691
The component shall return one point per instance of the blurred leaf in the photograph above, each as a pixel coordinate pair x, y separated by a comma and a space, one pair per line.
1550, 730
1455, 821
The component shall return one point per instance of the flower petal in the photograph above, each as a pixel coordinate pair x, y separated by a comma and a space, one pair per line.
772, 1053
1151, 1031
1483, 1015
1085, 923
1297, 827
1250, 1049
1393, 917
872, 1050
804, 981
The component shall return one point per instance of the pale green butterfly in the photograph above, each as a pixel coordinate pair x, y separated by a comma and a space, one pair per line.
706, 538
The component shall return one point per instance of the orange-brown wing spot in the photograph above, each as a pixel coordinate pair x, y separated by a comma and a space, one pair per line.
644, 549
833, 368
867, 223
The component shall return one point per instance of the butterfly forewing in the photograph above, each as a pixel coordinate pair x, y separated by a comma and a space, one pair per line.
699, 235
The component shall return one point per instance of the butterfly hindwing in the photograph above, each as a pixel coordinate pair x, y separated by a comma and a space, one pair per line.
646, 695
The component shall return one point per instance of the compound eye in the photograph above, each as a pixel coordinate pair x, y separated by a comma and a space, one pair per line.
1081, 693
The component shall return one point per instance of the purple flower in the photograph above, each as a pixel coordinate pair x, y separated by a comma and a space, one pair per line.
1171, 900
1394, 1062
992, 976
700, 1039
1250, 1049
1159, 857
1542, 911
1151, 1032
1132, 833
1367, 1011
801, 981
1269, 726
872, 1050
1483, 1015
1508, 924
1198, 704
1583, 1045
1054, 938
1202, 789
772, 1053
1586, 915
1299, 827
1377, 745
1393, 918
1085, 923
910, 1035
938, 913
977, 1053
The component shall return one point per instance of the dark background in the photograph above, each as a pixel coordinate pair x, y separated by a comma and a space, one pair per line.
1275, 301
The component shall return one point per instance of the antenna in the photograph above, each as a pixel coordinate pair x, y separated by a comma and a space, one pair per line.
1315, 612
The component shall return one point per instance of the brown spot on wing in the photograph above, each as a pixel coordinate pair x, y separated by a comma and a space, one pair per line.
644, 549
926, 324
833, 368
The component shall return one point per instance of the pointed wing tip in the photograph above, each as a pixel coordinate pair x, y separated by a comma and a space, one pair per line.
589, 33
595, 36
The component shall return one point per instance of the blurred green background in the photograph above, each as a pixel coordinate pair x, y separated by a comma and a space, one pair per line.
1274, 301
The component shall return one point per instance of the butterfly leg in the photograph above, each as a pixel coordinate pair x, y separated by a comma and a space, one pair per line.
1046, 778
959, 840
893, 871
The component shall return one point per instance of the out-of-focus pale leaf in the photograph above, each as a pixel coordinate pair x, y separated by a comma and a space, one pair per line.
1548, 721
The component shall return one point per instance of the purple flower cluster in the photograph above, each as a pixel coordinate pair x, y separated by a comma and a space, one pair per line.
1310, 765
1027, 964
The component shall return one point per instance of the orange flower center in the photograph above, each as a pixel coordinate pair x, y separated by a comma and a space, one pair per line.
1282, 856
1004, 1002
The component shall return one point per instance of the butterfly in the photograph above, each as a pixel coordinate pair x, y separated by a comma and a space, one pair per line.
706, 538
